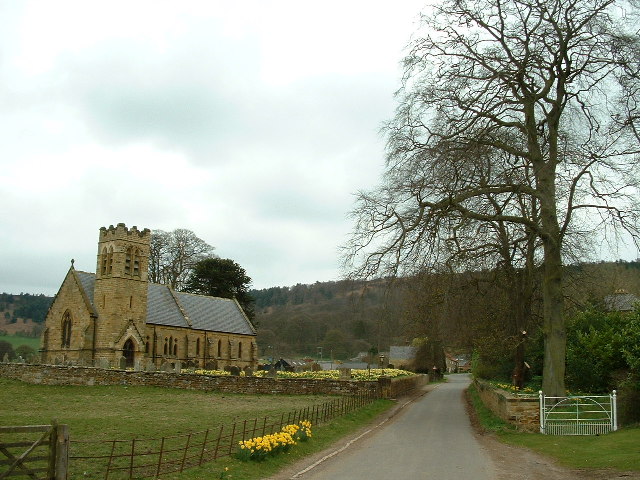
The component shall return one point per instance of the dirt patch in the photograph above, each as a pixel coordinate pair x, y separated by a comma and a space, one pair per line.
516, 463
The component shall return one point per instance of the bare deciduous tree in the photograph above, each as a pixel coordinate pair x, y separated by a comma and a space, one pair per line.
173, 256
504, 100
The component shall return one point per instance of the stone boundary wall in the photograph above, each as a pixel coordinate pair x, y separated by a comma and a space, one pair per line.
75, 375
395, 387
523, 412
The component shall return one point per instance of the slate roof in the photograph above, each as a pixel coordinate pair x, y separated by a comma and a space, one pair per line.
87, 281
621, 301
176, 309
402, 352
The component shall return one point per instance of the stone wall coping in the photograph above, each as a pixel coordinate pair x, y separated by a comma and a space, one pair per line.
89, 375
509, 396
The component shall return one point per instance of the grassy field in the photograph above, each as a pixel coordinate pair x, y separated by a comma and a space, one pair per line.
17, 340
121, 412
617, 450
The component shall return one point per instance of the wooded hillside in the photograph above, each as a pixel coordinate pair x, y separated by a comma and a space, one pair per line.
23, 313
466, 310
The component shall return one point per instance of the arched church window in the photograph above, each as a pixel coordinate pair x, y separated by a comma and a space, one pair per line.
146, 345
166, 340
136, 263
66, 329
110, 261
127, 261
240, 350
219, 348
197, 346
175, 348
170, 345
103, 262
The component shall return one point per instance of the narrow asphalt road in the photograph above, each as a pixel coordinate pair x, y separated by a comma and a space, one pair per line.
431, 438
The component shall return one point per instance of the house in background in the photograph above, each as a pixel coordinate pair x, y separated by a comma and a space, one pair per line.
621, 301
451, 362
402, 356
115, 317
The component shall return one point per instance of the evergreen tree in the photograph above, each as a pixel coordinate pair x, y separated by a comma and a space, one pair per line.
222, 277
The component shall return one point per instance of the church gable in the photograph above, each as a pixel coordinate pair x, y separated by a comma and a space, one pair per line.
67, 321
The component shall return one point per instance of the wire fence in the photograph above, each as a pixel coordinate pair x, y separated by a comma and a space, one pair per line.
141, 458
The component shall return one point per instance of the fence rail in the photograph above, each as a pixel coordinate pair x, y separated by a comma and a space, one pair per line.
578, 415
150, 458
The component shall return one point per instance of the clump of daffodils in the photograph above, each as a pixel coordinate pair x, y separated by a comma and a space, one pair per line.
513, 389
259, 448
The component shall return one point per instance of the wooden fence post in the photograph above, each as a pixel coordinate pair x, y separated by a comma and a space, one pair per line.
61, 452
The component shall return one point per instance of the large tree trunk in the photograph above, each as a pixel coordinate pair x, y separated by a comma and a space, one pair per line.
554, 324
555, 344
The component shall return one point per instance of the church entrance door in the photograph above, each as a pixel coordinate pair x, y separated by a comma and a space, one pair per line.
128, 351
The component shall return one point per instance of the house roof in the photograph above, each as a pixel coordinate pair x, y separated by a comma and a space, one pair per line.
176, 309
621, 301
402, 352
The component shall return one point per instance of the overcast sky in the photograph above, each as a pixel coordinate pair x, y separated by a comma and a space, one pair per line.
251, 123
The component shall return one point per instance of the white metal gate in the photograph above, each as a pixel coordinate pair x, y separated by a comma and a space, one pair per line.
578, 415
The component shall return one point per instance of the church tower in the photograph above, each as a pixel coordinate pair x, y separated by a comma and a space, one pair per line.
120, 293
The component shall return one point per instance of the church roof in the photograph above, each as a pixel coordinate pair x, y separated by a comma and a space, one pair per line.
87, 281
176, 309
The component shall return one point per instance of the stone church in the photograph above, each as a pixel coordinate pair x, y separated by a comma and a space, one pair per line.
115, 317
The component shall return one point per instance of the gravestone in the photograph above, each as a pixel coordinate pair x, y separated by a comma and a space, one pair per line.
57, 361
272, 372
234, 370
178, 367
123, 363
345, 373
151, 367
103, 363
211, 365
166, 367
5, 359
137, 365
248, 371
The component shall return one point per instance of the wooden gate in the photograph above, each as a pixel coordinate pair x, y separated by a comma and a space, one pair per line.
37, 452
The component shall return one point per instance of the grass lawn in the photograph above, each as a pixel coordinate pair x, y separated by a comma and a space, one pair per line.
121, 412
323, 437
618, 450
17, 340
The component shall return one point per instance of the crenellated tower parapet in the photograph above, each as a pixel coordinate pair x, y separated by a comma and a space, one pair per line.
123, 233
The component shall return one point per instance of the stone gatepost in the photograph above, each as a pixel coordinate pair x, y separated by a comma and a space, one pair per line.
384, 387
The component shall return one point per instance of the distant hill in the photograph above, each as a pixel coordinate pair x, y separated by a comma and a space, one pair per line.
24, 313
328, 319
